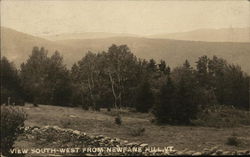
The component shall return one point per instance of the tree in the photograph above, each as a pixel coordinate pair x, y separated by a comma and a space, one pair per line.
11, 90
202, 71
236, 87
152, 65
46, 79
187, 99
33, 74
120, 70
165, 107
144, 97
58, 81
178, 102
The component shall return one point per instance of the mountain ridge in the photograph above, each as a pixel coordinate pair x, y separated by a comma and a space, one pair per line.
209, 35
17, 47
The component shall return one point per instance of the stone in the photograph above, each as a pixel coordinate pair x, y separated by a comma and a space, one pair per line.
185, 150
100, 136
131, 144
213, 149
76, 132
143, 145
242, 152
219, 152
72, 116
125, 141
83, 134
206, 150
190, 152
226, 153
35, 129
171, 152
197, 154
179, 153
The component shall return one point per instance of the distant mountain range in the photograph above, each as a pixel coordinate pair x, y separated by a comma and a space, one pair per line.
86, 35
17, 46
210, 35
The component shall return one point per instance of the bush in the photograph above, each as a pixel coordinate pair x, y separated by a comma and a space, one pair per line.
233, 141
137, 131
12, 124
65, 123
118, 120
85, 107
222, 116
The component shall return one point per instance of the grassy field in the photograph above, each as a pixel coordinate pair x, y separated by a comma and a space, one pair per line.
102, 123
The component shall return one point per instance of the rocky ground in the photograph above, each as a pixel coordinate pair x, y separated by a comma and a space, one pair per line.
54, 140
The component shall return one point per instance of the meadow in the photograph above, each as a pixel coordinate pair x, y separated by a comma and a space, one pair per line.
102, 123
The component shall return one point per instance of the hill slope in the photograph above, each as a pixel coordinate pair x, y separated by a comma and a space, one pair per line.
86, 35
211, 35
17, 47
173, 51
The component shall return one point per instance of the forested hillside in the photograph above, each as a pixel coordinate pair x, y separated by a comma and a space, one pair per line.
116, 78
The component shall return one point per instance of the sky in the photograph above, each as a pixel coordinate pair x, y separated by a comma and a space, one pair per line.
142, 17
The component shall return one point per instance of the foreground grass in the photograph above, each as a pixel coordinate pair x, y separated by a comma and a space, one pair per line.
102, 123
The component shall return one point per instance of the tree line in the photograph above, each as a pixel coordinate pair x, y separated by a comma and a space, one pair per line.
117, 79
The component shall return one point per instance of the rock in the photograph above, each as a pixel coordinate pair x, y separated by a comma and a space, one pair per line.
213, 149
242, 152
197, 154
83, 134
190, 152
35, 130
226, 153
143, 145
179, 153
206, 150
234, 153
72, 116
100, 136
172, 152
131, 144
219, 152
92, 137
42, 139
76, 132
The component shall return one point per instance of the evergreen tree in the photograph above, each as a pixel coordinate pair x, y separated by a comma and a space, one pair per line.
11, 90
144, 97
187, 96
58, 81
33, 74
46, 79
165, 107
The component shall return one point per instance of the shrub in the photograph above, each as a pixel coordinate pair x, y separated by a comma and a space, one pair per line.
85, 107
12, 124
66, 123
222, 116
137, 131
118, 120
233, 141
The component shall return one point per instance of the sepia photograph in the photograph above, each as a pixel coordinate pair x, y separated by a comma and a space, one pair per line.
125, 78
